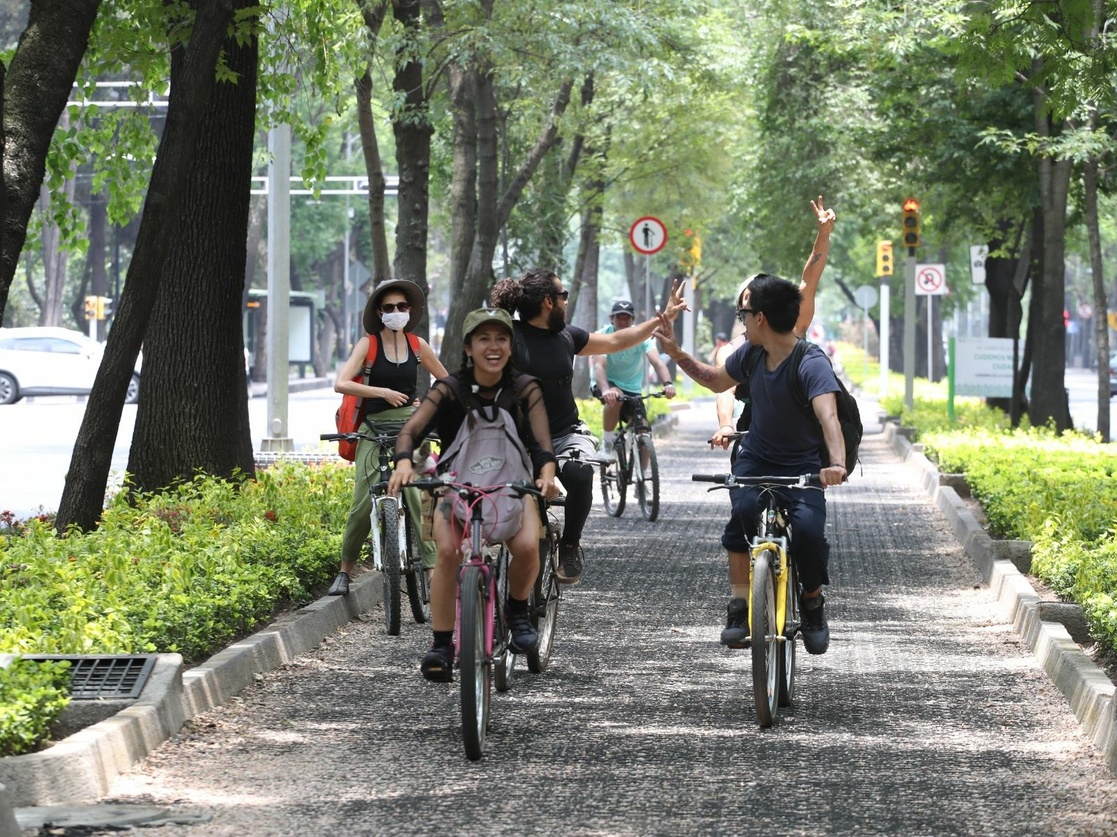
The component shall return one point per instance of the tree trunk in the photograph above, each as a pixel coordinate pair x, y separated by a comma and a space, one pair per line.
412, 128
37, 86
1048, 339
463, 184
374, 168
373, 14
194, 413
82, 499
1101, 325
479, 274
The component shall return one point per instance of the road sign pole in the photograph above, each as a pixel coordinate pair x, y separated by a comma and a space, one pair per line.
909, 330
930, 323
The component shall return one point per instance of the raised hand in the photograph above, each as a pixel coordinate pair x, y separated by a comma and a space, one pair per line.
826, 217
675, 302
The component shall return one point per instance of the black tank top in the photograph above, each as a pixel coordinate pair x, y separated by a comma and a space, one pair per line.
401, 377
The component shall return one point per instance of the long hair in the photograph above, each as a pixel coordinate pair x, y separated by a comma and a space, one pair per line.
525, 294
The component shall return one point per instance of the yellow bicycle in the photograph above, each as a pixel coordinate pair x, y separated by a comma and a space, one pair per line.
774, 620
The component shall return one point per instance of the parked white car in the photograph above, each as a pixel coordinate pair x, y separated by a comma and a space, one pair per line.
51, 361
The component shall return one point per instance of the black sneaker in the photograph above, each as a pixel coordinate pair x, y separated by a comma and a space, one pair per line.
340, 587
438, 664
524, 636
815, 629
570, 564
736, 633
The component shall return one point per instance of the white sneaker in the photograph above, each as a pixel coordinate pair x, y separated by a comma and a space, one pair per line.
605, 451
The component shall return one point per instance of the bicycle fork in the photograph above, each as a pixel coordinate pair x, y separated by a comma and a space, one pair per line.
778, 548
377, 536
488, 593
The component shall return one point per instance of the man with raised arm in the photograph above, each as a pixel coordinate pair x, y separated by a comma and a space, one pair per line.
783, 441
545, 347
727, 402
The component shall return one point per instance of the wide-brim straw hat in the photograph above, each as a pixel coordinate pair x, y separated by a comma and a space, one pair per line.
414, 294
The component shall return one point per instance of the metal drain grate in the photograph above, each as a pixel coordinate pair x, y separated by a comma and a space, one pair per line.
97, 677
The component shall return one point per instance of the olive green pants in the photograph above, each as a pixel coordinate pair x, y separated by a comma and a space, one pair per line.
367, 467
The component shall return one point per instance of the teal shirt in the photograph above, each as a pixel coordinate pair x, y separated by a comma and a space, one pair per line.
625, 369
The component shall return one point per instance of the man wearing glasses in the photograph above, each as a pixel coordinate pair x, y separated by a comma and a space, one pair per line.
729, 402
545, 347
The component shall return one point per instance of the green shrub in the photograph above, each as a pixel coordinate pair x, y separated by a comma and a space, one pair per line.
1057, 490
32, 696
187, 571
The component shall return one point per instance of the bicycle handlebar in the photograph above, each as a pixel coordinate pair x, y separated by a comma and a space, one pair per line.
733, 481
469, 491
625, 397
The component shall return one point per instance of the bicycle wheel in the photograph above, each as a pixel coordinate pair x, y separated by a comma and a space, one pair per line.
503, 658
765, 642
613, 485
786, 679
647, 477
545, 601
390, 569
415, 578
474, 667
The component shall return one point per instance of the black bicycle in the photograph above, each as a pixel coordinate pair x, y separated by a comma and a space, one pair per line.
393, 542
774, 620
635, 463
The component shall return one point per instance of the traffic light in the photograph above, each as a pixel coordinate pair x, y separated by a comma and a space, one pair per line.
911, 223
103, 310
884, 258
691, 255
91, 307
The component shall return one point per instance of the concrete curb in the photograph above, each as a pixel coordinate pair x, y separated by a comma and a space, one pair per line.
82, 767
1089, 691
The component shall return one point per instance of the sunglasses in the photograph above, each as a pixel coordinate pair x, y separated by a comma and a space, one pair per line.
563, 294
389, 307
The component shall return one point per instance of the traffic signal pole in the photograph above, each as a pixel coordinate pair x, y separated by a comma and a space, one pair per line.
909, 329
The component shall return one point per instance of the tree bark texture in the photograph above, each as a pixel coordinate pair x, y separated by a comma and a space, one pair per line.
36, 88
373, 15
1047, 333
1101, 325
83, 496
194, 412
412, 129
463, 185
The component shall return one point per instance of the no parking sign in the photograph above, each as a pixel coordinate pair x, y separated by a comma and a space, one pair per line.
930, 279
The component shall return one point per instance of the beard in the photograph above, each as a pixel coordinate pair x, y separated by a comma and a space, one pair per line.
556, 321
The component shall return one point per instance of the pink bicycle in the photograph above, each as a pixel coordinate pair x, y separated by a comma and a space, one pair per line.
482, 633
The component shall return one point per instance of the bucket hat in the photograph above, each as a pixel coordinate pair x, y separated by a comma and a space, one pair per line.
373, 323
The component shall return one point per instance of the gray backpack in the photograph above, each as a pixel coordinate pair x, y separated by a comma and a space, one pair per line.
488, 451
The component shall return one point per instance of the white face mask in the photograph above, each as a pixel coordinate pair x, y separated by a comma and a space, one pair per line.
395, 320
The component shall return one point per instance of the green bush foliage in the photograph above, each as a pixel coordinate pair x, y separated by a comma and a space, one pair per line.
1056, 490
32, 696
187, 571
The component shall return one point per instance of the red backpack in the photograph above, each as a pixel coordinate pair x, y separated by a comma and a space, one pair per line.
351, 413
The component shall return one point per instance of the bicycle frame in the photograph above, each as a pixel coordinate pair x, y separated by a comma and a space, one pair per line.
773, 534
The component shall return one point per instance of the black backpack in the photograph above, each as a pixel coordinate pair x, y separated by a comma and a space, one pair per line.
849, 417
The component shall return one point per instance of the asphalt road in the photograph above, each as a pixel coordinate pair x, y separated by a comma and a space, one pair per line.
928, 716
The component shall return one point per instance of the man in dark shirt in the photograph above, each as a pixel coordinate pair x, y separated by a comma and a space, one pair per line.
545, 347
782, 441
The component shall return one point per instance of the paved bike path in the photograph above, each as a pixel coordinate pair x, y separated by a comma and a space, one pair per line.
928, 716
